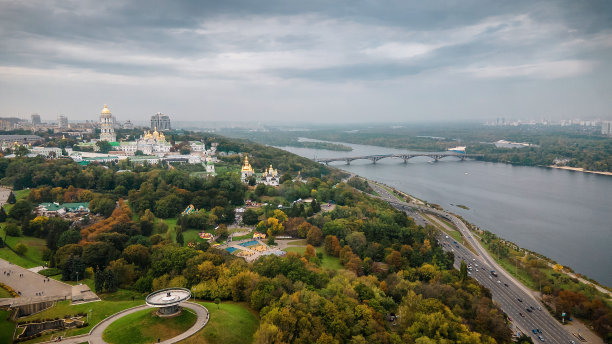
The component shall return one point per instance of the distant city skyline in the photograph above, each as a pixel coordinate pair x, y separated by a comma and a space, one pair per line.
358, 61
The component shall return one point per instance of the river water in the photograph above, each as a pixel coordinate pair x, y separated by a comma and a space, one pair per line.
564, 215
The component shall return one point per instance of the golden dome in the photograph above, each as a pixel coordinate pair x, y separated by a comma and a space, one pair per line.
246, 167
105, 110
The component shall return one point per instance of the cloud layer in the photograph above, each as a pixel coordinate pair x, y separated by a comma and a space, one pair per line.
306, 61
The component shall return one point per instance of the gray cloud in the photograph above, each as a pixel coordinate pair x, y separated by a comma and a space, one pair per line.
357, 60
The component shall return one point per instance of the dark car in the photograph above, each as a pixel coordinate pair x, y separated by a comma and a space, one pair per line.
527, 309
519, 300
521, 314
506, 284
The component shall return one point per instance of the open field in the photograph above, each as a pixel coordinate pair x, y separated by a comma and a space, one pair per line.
328, 262
100, 311
6, 327
146, 327
32, 258
19, 194
230, 323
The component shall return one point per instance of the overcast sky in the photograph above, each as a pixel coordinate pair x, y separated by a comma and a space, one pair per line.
319, 61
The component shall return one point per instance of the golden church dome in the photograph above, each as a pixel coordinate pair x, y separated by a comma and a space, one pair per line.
105, 111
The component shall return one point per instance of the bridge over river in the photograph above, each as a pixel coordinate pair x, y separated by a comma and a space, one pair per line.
405, 157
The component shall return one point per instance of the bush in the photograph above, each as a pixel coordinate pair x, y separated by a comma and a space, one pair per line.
50, 272
21, 249
12, 229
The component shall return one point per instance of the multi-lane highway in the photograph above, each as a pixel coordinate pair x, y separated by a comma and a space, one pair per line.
515, 299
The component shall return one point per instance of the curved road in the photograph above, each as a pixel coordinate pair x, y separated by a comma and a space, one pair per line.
512, 296
95, 335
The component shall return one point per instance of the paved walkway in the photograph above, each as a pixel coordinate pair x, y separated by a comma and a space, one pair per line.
4, 195
95, 335
31, 284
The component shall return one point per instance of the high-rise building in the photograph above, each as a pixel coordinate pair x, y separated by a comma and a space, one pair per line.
606, 128
107, 132
62, 122
160, 122
35, 119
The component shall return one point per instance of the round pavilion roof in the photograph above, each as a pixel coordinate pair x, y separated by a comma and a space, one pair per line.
168, 297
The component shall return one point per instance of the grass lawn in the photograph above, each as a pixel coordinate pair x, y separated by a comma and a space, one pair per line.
32, 258
146, 327
88, 281
301, 242
231, 323
100, 311
192, 235
328, 262
6, 327
19, 195
4, 294
171, 222
241, 237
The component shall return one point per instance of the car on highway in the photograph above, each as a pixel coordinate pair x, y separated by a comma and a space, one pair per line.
519, 299
506, 284
541, 338
521, 314
528, 309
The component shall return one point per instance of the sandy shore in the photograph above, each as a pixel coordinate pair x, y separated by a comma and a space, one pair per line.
579, 169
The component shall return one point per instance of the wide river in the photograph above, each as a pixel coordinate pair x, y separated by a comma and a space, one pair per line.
564, 215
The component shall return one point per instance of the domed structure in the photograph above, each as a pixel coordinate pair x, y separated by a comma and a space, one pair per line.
167, 300
107, 132
105, 110
246, 170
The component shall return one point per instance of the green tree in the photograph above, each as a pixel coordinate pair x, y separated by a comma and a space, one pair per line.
250, 217
102, 205
179, 238
2, 215
11, 198
168, 206
21, 210
71, 236
217, 301
104, 146
463, 273
12, 229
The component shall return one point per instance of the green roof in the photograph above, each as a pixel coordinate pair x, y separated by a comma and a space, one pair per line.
75, 206
114, 144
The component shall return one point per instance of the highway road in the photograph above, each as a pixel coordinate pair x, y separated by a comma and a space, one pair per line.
516, 300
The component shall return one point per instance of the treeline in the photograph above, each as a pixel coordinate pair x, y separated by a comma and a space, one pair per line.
281, 138
579, 146
563, 293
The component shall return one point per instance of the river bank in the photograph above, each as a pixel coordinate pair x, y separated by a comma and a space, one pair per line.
559, 213
479, 233
580, 169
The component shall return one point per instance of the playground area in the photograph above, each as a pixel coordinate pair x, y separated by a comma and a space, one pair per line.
250, 249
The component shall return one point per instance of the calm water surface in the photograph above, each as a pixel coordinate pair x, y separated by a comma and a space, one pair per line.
564, 215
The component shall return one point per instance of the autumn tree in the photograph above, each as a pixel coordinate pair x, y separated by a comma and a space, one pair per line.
314, 236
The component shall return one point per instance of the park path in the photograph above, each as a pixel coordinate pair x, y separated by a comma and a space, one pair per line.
33, 286
95, 335
4, 195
